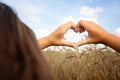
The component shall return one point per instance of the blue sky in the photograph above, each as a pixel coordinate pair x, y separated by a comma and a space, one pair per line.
44, 16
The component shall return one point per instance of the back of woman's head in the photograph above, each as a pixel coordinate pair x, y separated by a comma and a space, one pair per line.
20, 56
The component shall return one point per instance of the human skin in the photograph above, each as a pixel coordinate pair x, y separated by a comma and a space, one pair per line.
56, 38
97, 34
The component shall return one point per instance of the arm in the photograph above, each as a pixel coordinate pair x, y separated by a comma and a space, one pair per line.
57, 37
97, 34
113, 41
44, 42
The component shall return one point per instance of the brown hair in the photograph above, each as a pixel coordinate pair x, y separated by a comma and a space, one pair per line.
20, 55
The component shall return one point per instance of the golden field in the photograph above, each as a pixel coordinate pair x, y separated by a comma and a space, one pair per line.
91, 63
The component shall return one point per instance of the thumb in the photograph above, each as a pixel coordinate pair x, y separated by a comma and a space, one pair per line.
86, 41
70, 44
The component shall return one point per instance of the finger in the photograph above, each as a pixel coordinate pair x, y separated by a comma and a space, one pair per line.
87, 41
87, 25
72, 25
84, 24
80, 28
75, 29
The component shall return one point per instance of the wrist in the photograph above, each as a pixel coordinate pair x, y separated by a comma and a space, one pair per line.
48, 40
44, 42
106, 38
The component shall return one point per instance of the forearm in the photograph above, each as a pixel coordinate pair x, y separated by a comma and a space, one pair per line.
44, 42
113, 41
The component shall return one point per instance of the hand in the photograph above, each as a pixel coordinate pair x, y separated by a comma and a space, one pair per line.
57, 37
96, 34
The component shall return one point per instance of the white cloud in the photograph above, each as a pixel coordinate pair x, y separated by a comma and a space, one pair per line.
66, 19
89, 19
42, 33
74, 37
89, 12
86, 13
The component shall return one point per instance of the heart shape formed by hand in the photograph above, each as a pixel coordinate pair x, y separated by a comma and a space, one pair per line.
94, 34
58, 35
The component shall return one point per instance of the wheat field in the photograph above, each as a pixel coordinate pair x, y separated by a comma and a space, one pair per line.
87, 64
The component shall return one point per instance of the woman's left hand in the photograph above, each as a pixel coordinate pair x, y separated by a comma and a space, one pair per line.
57, 37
